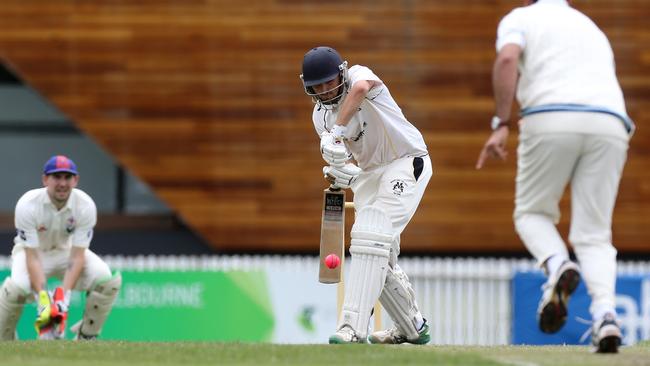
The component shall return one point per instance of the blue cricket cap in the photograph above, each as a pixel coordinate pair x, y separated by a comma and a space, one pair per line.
60, 163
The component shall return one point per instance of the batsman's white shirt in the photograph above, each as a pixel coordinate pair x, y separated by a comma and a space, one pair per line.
41, 226
389, 149
566, 58
378, 133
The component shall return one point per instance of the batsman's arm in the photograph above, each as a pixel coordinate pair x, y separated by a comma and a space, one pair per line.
353, 100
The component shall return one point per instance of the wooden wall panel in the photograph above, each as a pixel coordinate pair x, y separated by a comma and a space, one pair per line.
201, 99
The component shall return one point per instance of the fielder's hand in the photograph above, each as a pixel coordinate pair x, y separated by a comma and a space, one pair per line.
495, 147
61, 304
342, 177
59, 316
332, 147
43, 317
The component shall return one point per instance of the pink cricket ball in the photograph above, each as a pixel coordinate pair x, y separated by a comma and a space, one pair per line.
332, 261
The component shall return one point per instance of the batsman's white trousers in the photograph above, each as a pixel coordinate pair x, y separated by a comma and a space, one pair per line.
554, 151
397, 188
54, 263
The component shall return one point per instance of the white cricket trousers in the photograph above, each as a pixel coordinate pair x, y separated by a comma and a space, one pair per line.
548, 160
397, 188
55, 262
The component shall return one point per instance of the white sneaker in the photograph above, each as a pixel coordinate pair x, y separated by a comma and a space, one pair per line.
606, 335
345, 335
394, 336
552, 310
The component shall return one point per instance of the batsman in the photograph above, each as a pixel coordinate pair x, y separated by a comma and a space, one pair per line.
372, 148
54, 227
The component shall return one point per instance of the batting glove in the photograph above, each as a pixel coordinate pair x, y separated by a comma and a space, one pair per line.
332, 147
343, 177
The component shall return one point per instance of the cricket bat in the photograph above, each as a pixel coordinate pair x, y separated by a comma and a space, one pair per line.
332, 233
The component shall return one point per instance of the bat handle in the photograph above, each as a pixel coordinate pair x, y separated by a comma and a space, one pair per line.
334, 188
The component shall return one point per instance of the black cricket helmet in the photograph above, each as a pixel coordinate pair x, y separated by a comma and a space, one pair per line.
320, 65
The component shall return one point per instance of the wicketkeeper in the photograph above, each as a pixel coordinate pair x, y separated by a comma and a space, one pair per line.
54, 227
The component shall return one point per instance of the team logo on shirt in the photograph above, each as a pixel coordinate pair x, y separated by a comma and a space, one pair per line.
398, 186
21, 234
70, 225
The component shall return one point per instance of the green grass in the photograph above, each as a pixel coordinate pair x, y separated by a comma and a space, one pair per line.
101, 353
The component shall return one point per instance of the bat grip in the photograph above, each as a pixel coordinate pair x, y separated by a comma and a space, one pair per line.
334, 188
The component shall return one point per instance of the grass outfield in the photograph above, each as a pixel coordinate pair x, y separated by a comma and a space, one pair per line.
69, 353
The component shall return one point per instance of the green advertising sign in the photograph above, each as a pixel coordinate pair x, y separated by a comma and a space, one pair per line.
179, 305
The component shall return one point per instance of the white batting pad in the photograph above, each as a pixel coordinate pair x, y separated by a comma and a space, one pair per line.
98, 305
372, 235
12, 300
398, 298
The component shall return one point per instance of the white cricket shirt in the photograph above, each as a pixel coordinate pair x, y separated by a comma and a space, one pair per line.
378, 133
40, 225
566, 58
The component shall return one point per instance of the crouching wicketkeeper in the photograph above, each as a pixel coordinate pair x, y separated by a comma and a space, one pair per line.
54, 227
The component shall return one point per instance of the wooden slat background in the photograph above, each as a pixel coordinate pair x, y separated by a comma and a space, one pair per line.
201, 99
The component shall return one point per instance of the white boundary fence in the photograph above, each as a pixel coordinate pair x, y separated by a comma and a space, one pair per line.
466, 300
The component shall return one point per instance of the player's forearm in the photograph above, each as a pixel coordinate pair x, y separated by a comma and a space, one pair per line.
353, 101
75, 267
504, 80
35, 270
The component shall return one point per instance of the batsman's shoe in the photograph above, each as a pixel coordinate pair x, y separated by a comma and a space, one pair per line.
606, 335
345, 335
394, 336
552, 311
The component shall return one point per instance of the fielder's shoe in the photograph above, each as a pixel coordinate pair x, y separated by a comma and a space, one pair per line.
83, 337
47, 333
606, 335
552, 311
394, 336
345, 335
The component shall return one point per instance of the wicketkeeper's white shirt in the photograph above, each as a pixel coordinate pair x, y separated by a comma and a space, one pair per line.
378, 133
566, 59
40, 225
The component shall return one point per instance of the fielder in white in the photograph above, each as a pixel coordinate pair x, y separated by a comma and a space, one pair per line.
359, 122
574, 130
54, 227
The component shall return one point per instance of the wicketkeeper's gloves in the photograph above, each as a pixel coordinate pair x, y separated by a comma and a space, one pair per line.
44, 310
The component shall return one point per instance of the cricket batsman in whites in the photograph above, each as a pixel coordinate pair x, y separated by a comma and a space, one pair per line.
359, 122
54, 227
